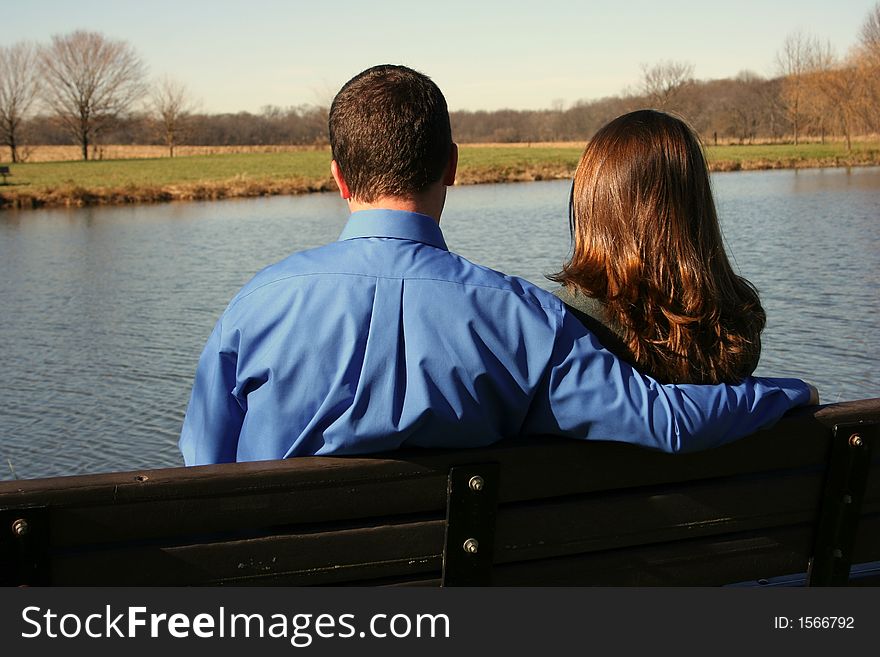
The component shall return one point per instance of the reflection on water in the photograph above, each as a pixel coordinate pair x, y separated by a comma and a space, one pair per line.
105, 310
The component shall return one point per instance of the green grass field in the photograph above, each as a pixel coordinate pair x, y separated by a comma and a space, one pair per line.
254, 174
789, 152
179, 170
478, 157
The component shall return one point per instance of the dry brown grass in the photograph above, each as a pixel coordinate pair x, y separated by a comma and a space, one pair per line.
135, 152
530, 173
140, 152
811, 163
143, 152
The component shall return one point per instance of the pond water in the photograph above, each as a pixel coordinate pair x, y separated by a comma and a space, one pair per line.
105, 310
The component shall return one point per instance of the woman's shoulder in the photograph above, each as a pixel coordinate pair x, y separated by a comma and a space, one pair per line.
579, 301
591, 313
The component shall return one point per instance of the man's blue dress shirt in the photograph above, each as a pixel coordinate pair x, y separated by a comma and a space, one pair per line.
385, 338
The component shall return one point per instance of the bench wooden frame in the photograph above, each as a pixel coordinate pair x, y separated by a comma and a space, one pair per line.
803, 495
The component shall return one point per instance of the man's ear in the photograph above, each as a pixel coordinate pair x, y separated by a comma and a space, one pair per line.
340, 181
451, 166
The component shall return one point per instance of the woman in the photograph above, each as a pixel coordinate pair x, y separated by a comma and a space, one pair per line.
648, 273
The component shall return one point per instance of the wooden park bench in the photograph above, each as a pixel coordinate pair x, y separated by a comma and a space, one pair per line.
4, 171
797, 503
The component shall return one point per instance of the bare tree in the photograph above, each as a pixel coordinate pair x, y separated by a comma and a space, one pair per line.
796, 61
868, 61
90, 81
662, 82
839, 88
172, 107
869, 36
18, 90
748, 106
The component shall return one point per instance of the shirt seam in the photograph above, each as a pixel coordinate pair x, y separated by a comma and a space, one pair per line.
532, 301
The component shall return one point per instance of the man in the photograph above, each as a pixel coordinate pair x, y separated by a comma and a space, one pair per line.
385, 338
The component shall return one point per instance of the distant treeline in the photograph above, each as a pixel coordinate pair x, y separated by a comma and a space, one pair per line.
301, 126
742, 110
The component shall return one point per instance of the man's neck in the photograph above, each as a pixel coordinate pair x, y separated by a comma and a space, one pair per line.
431, 206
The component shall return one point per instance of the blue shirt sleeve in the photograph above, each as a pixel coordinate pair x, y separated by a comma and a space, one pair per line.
591, 394
215, 413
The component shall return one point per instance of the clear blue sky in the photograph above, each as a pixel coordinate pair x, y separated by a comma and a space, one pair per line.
241, 55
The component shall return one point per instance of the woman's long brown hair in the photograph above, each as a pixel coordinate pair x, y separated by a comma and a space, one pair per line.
647, 244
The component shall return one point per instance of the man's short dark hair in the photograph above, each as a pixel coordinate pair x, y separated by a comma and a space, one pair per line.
390, 133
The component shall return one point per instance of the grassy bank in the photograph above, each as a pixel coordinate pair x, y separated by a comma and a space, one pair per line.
297, 171
163, 179
788, 156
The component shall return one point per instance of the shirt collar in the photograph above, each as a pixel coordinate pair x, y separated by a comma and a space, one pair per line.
398, 224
